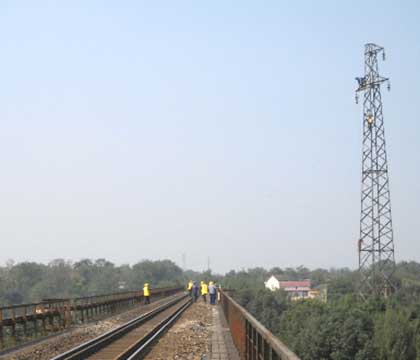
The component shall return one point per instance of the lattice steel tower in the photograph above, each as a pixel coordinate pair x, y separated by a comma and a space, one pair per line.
376, 243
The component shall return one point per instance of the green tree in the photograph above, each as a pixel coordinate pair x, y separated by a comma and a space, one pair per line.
394, 336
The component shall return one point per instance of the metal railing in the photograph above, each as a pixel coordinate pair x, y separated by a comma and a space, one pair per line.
57, 305
24, 322
252, 340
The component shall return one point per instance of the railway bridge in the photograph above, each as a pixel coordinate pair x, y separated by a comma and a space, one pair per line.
119, 326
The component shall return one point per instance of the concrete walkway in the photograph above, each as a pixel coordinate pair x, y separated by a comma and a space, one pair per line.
221, 347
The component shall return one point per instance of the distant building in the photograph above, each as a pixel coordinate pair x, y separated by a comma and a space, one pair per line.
296, 289
272, 283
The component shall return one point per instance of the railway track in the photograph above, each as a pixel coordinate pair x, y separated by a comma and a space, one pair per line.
132, 340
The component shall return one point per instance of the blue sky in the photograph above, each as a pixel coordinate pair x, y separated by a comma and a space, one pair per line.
132, 130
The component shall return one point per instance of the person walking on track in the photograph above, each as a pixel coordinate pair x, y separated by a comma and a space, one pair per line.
212, 293
204, 291
189, 287
195, 291
146, 294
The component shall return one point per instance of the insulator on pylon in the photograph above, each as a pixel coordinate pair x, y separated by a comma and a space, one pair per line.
356, 98
388, 86
383, 55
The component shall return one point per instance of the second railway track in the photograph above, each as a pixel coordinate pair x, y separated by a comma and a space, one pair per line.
132, 340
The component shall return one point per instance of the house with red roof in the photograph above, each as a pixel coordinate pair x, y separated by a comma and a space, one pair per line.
296, 289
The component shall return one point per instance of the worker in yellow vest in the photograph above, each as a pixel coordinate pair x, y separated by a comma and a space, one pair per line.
204, 291
146, 294
189, 287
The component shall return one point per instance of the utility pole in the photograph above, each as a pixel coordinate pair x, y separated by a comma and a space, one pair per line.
376, 242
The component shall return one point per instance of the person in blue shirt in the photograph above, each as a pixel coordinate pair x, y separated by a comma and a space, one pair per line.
213, 293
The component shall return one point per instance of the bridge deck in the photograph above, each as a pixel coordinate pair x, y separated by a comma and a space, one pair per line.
225, 331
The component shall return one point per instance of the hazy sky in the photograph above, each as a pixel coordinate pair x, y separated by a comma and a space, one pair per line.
149, 129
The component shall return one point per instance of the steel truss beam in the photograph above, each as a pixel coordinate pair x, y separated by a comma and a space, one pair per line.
376, 242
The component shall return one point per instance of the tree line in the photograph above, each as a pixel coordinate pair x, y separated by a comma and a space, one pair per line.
31, 282
343, 328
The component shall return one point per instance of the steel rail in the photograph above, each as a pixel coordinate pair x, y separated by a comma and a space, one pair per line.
144, 344
90, 347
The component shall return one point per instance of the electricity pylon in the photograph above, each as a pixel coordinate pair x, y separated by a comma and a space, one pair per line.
376, 242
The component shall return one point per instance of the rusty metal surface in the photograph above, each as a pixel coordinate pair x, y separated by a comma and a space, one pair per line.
17, 312
21, 323
250, 337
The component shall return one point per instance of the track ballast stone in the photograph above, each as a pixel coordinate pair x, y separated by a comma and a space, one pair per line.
188, 339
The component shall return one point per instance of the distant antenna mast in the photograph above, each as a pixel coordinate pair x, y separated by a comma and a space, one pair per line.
376, 242
208, 263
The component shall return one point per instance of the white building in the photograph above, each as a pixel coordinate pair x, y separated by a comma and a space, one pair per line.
272, 283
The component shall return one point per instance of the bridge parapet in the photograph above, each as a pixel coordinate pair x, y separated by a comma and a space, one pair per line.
24, 322
251, 338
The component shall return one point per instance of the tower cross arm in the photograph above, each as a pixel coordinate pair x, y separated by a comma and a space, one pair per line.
364, 83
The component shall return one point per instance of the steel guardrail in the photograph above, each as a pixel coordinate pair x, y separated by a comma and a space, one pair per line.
25, 323
252, 339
